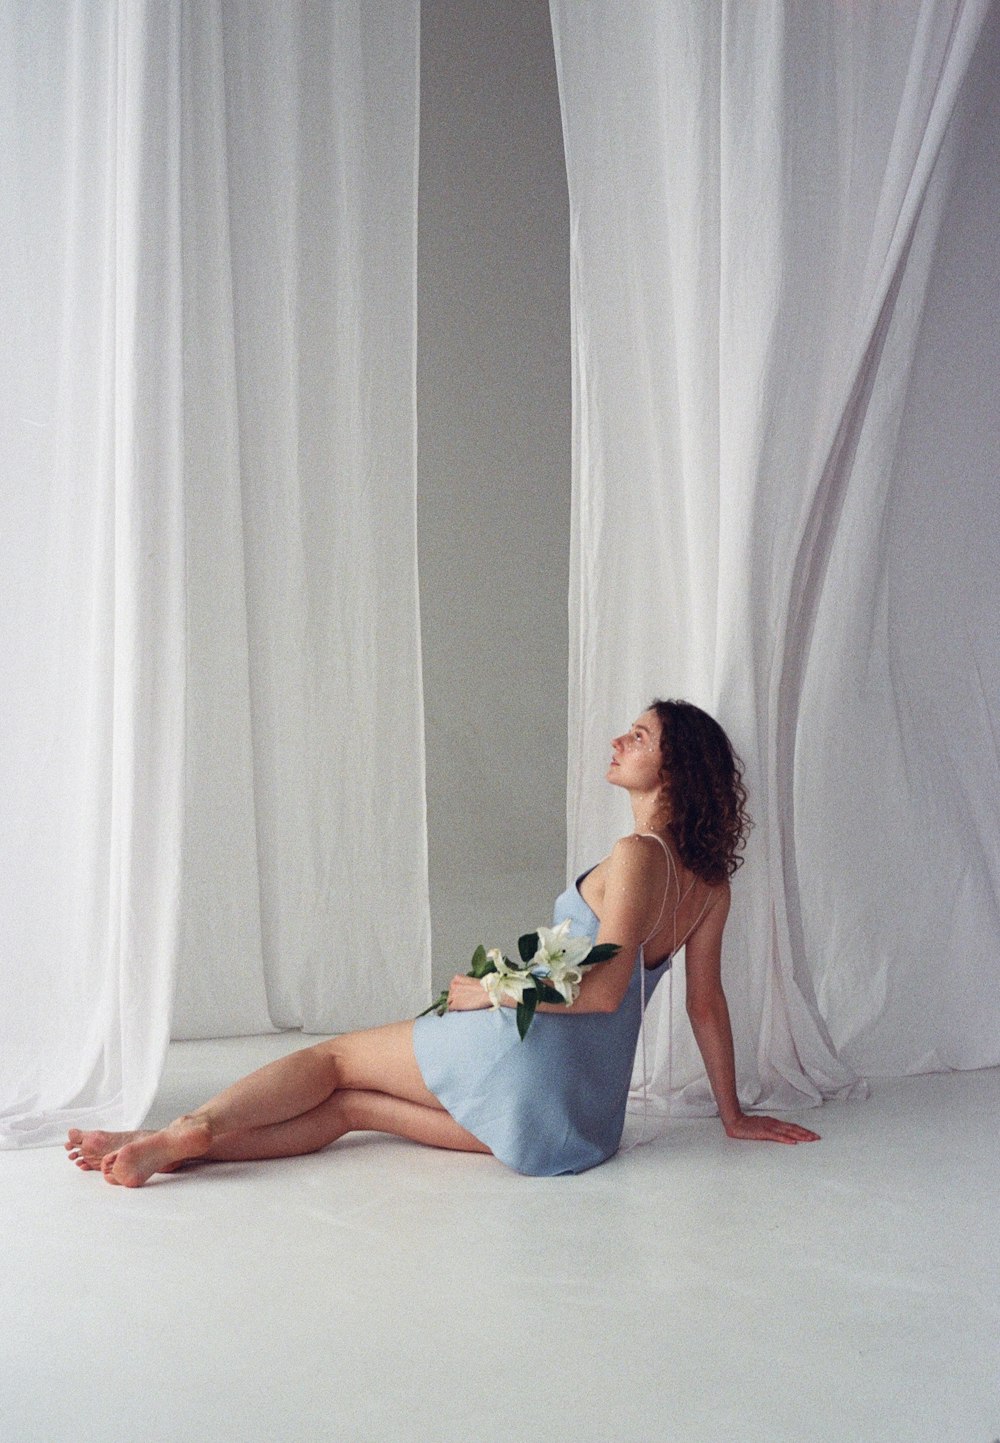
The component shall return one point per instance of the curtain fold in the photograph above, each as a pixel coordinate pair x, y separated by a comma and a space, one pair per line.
756, 198
212, 710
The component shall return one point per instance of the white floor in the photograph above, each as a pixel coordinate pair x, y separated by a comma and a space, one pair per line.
692, 1291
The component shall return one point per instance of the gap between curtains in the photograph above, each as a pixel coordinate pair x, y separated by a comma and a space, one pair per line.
212, 705
756, 194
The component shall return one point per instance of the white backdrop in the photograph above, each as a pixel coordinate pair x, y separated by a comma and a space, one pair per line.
213, 750
756, 196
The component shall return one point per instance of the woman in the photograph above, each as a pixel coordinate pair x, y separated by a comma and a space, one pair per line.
555, 1102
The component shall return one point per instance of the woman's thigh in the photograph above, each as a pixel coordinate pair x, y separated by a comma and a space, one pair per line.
381, 1059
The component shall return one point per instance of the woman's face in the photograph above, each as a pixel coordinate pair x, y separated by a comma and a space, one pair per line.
636, 761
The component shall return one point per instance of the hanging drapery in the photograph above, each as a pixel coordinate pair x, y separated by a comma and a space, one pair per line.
213, 749
756, 195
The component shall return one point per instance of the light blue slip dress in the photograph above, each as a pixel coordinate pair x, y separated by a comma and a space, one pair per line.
554, 1103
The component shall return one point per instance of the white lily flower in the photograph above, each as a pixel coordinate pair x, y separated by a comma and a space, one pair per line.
558, 959
565, 980
506, 984
556, 946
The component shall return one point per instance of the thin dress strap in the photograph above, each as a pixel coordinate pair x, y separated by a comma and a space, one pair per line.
681, 899
694, 926
671, 877
675, 946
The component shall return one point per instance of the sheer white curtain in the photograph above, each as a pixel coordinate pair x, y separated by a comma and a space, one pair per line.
756, 197
212, 754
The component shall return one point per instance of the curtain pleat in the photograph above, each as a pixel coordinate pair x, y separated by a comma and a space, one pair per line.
212, 711
756, 197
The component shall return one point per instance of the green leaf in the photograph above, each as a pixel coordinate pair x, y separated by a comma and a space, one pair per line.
527, 946
526, 1011
603, 952
547, 993
439, 1005
481, 964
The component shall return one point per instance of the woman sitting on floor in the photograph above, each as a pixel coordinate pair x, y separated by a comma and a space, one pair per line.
554, 1102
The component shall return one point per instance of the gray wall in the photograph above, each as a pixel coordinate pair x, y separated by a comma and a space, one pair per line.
493, 402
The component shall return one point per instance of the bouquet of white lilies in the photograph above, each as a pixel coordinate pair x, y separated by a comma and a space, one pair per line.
551, 972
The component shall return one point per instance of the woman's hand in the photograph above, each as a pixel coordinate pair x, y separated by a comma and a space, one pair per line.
466, 994
752, 1128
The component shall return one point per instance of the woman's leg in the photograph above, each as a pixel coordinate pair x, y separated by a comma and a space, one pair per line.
379, 1059
378, 1062
346, 1111
281, 1091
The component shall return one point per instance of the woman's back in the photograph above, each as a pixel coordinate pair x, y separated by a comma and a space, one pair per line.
679, 899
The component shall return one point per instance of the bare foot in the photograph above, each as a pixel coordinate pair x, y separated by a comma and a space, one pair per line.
163, 1151
87, 1149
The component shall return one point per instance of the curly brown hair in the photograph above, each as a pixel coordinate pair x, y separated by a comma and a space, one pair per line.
705, 791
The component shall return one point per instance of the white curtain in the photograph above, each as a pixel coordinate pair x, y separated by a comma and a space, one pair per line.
212, 754
757, 194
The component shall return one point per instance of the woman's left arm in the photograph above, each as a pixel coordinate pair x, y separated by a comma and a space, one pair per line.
633, 893
709, 1015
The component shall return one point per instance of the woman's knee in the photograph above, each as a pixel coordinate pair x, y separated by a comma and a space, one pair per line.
380, 1059
329, 1056
352, 1109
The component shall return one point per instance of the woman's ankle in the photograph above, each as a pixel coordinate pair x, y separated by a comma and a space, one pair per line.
199, 1121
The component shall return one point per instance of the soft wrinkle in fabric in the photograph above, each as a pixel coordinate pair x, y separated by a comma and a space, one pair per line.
762, 200
554, 1102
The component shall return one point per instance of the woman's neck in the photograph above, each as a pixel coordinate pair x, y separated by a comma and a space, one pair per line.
649, 813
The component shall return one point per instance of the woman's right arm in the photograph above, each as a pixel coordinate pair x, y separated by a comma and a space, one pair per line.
633, 893
708, 1012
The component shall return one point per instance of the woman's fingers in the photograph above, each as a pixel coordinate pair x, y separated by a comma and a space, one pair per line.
770, 1129
802, 1134
465, 994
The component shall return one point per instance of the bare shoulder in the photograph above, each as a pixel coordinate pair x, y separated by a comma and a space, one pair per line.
719, 899
638, 855
637, 867
634, 873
